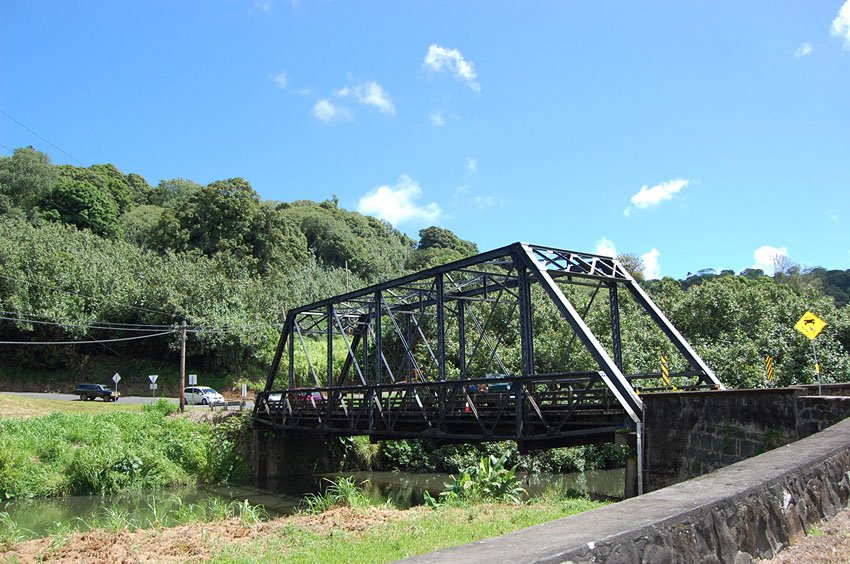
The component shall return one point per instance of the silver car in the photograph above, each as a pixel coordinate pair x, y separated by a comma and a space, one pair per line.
202, 395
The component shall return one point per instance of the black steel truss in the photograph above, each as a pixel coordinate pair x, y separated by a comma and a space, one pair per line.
449, 353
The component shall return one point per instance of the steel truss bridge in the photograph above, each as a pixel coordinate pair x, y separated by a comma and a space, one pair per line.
463, 352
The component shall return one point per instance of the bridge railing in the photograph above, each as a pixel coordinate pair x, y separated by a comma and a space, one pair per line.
549, 408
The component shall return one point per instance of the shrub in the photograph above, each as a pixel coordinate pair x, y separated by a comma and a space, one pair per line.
488, 480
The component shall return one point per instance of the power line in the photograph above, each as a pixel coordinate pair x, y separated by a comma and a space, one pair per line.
48, 141
94, 342
87, 326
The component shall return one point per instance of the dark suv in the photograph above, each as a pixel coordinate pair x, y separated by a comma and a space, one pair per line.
91, 391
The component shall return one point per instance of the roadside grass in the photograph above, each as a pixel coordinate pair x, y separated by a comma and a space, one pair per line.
18, 406
83, 453
415, 531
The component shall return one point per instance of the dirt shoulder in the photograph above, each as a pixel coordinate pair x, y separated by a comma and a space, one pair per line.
826, 543
195, 542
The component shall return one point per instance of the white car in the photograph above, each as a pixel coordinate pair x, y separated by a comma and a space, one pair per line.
202, 395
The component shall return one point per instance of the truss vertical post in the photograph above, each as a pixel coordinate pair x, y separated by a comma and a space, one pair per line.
407, 366
330, 344
441, 326
379, 352
525, 322
461, 333
616, 339
364, 335
292, 356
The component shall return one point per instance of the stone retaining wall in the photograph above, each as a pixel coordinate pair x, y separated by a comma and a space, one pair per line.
688, 434
750, 509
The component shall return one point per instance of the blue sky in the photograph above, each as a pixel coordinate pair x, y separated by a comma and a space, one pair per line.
697, 134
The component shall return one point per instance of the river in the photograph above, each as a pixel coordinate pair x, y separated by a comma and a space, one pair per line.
40, 517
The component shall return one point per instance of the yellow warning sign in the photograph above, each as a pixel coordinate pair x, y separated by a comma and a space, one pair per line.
810, 325
665, 370
768, 363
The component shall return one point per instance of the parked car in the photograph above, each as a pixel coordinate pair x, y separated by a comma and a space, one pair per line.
91, 391
202, 395
316, 399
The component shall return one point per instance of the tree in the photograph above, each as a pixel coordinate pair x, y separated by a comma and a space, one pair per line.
437, 237
83, 204
26, 177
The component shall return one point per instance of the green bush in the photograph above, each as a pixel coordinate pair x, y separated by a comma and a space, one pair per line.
489, 480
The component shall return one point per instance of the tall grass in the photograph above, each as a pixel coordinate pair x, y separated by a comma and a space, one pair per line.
339, 492
62, 454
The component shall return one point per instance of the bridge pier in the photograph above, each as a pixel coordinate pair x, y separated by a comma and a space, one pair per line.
629, 438
277, 456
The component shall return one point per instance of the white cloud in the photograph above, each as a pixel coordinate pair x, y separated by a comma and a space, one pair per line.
471, 165
436, 118
281, 79
369, 94
803, 50
487, 202
841, 24
832, 216
766, 258
263, 5
606, 247
397, 204
647, 197
327, 111
439, 59
651, 268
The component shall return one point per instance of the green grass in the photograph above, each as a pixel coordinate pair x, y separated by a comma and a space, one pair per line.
18, 406
81, 453
415, 532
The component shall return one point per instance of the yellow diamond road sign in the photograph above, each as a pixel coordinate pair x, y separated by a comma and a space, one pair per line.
810, 325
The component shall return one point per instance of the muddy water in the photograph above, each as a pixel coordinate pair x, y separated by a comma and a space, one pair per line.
41, 517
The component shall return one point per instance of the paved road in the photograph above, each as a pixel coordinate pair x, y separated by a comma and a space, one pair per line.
124, 399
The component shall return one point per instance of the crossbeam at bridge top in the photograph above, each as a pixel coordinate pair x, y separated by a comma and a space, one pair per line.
507, 344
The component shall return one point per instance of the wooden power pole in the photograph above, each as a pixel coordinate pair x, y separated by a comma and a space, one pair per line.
182, 364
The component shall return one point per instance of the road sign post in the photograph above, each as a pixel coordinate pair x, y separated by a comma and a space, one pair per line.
116, 378
811, 325
153, 378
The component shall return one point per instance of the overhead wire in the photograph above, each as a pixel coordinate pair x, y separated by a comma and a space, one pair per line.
90, 342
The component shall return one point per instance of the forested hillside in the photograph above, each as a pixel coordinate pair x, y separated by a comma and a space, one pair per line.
97, 254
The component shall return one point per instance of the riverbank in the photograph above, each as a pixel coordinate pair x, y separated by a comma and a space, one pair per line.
341, 534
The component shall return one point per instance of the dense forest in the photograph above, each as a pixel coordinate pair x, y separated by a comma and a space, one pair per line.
96, 254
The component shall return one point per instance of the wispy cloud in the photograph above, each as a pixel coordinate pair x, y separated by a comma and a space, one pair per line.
804, 50
436, 119
832, 216
841, 24
606, 247
766, 258
471, 165
651, 266
326, 111
369, 94
263, 5
648, 197
487, 202
440, 59
397, 204
281, 79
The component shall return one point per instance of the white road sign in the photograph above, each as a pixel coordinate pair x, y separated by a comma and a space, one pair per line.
153, 378
116, 378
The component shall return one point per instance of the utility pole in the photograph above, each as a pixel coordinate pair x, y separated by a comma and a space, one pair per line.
182, 364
